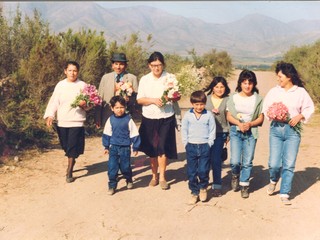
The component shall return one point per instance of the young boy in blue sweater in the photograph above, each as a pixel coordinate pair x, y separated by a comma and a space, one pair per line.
119, 133
198, 132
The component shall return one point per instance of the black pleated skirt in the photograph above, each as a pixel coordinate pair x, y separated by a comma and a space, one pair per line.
158, 137
71, 140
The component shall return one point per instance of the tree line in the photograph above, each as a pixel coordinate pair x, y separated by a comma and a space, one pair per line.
32, 60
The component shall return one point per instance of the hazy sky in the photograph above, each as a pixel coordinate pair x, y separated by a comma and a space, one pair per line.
228, 11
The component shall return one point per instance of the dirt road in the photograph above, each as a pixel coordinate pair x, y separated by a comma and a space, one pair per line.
36, 203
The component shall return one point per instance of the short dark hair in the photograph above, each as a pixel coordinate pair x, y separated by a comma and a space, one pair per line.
156, 56
251, 77
74, 63
119, 99
198, 97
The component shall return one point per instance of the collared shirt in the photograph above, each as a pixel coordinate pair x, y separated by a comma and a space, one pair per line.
121, 76
297, 100
198, 130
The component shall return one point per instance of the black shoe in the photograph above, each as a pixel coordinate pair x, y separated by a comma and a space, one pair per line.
235, 183
245, 191
69, 179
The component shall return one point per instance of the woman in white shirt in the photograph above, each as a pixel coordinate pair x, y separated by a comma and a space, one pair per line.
157, 130
284, 139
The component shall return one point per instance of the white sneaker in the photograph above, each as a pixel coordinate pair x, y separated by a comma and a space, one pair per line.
203, 195
111, 191
285, 201
193, 200
129, 185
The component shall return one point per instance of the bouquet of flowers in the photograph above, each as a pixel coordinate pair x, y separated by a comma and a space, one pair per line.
171, 92
124, 89
88, 97
279, 112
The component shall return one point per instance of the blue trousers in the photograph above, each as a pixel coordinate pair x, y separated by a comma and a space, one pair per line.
198, 166
119, 158
284, 144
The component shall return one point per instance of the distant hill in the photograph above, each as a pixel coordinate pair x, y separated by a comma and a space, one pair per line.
255, 38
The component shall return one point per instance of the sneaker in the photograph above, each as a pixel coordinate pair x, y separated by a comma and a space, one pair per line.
245, 191
235, 183
271, 188
203, 195
285, 201
111, 191
129, 185
193, 200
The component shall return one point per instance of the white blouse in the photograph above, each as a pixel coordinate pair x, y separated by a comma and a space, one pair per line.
150, 87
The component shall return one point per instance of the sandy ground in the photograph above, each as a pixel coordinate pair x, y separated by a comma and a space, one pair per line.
37, 203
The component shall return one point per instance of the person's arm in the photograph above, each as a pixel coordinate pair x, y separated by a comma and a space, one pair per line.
52, 107
106, 136
145, 101
257, 122
184, 130
134, 137
212, 129
236, 122
134, 83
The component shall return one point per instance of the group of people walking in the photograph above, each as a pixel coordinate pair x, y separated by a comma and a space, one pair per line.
215, 118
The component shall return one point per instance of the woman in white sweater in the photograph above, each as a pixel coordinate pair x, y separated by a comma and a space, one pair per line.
70, 120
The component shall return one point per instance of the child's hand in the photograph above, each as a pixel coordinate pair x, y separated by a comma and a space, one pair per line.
106, 151
135, 153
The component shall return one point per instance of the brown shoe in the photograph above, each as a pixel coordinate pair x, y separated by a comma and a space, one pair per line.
153, 182
271, 188
164, 185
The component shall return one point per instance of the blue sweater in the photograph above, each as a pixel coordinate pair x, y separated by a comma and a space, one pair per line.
121, 131
198, 131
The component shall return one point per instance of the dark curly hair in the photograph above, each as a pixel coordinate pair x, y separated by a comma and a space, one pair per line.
290, 72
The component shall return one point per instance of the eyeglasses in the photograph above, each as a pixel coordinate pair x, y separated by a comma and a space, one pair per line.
156, 65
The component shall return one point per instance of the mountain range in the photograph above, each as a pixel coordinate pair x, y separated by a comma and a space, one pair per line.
254, 38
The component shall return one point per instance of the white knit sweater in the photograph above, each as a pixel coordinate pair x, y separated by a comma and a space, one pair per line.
60, 102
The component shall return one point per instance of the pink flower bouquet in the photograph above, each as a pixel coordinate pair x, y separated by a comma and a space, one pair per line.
88, 97
171, 92
279, 112
124, 89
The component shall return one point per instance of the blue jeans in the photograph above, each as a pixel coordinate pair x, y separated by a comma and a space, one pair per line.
198, 166
284, 144
215, 157
119, 157
242, 147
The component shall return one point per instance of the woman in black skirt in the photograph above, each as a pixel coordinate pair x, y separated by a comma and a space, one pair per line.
157, 130
70, 120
